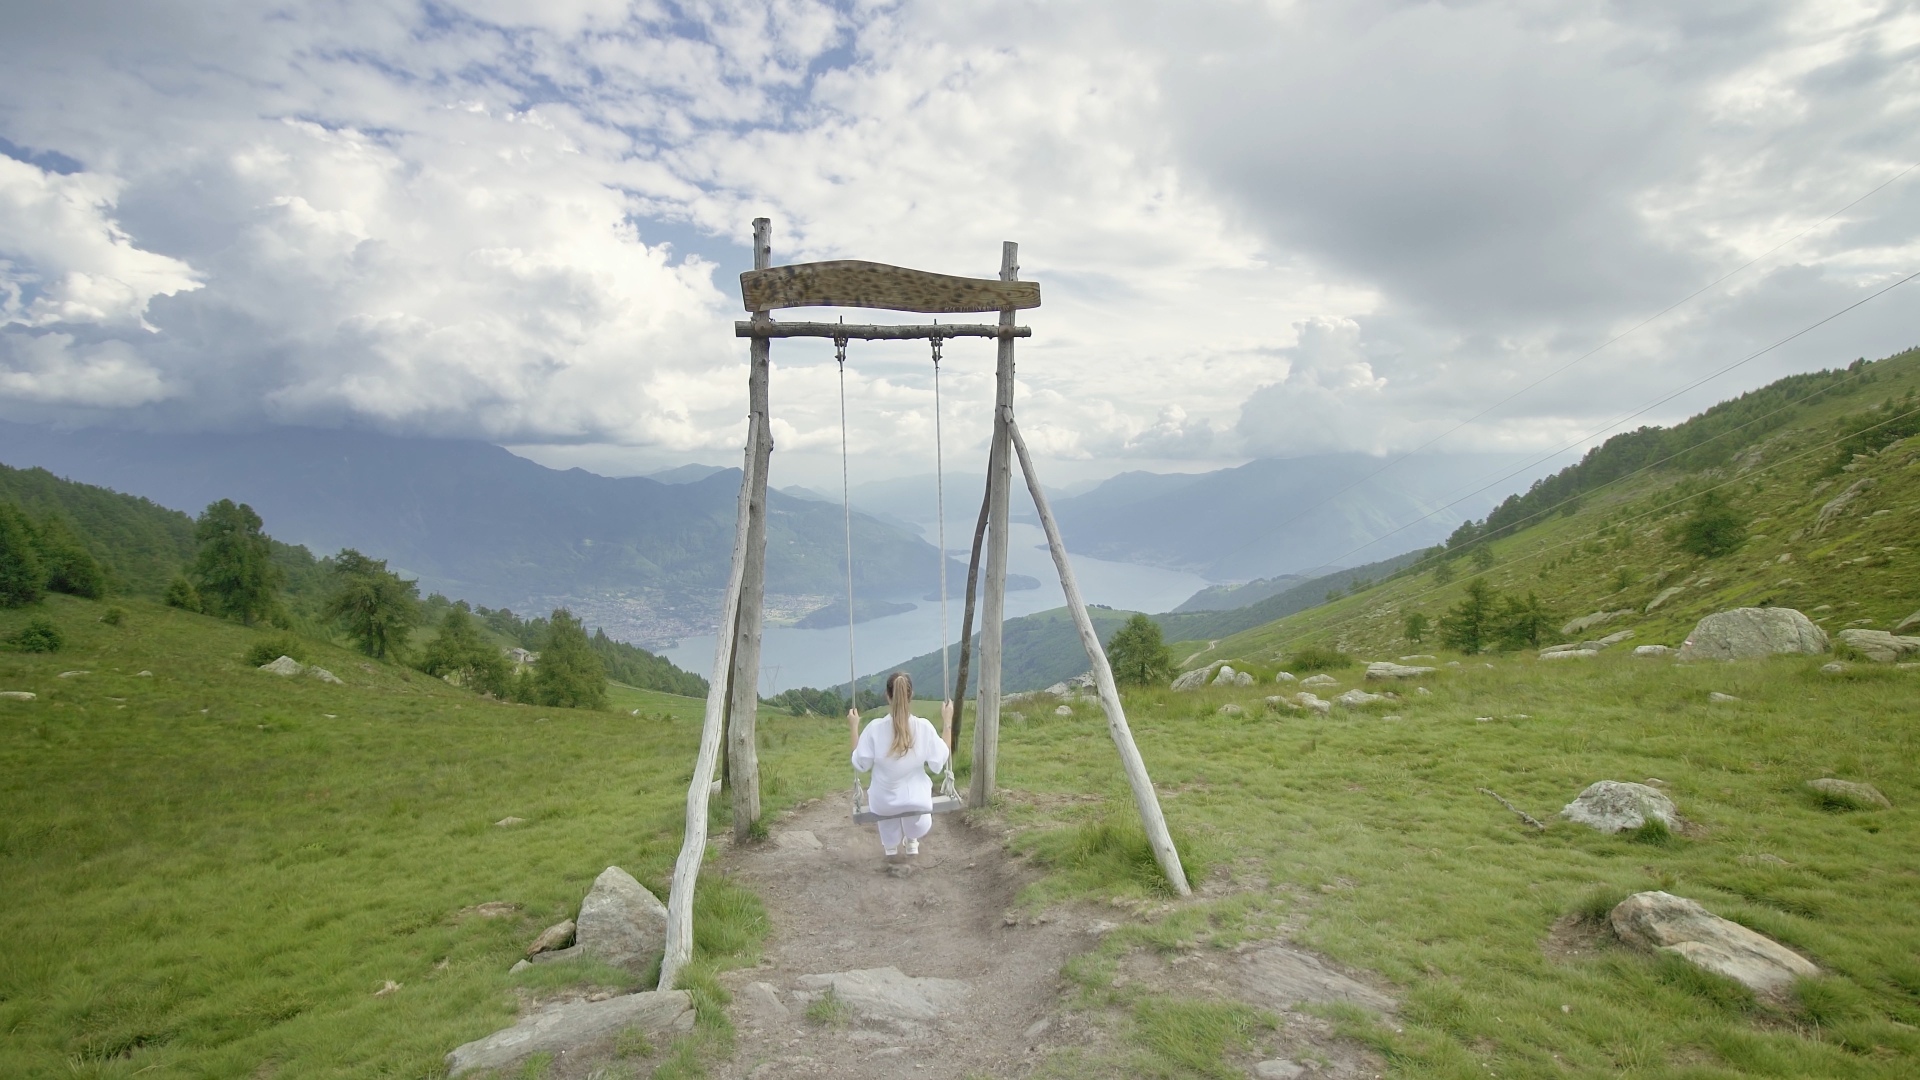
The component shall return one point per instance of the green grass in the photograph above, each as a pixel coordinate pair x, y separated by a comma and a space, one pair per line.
1372, 830
211, 870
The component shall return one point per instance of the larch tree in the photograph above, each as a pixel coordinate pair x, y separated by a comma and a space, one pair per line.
233, 572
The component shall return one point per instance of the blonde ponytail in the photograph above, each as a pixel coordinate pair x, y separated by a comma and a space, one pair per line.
900, 702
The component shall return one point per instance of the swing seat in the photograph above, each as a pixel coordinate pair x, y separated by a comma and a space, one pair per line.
942, 804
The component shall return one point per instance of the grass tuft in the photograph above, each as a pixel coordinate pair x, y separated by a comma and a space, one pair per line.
1112, 853
828, 1010
1195, 1036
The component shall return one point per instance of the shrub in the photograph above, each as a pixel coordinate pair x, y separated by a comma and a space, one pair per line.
69, 567
181, 594
267, 650
114, 616
1318, 658
460, 651
1417, 625
39, 635
1713, 529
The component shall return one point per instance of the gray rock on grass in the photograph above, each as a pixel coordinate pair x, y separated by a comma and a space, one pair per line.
1753, 632
1322, 679
1588, 622
1193, 680
621, 922
1672, 924
1284, 676
1616, 638
1307, 700
1651, 650
1387, 669
560, 1028
1850, 793
557, 936
1666, 594
887, 994
1230, 709
1230, 677
1880, 646
16, 695
1909, 622
284, 666
325, 676
1357, 697
1613, 806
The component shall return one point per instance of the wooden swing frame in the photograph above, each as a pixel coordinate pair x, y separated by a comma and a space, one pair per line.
733, 689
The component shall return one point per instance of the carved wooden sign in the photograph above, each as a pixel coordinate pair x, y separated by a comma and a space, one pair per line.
855, 283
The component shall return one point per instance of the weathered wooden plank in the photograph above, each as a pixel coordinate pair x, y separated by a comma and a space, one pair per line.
875, 332
743, 757
1144, 798
857, 283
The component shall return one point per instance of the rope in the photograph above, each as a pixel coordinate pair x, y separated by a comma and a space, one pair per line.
846, 504
940, 521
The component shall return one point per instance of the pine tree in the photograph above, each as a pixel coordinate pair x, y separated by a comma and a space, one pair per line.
1467, 625
1417, 624
21, 578
1522, 623
568, 673
234, 569
1138, 655
376, 605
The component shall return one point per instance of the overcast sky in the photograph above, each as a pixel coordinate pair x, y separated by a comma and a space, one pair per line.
1260, 229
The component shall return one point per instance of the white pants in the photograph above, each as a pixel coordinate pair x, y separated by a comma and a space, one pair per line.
894, 830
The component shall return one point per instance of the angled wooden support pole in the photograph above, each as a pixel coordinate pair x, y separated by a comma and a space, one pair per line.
986, 721
1144, 798
693, 842
743, 763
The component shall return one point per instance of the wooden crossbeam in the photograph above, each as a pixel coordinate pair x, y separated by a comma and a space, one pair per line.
856, 283
875, 332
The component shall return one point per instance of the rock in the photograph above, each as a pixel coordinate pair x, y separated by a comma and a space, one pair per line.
1833, 668
1308, 701
621, 922
1277, 1069
16, 695
1593, 646
1230, 677
886, 994
1616, 806
1616, 638
1881, 646
1557, 649
1356, 697
1322, 679
1284, 676
1422, 690
1839, 503
518, 967
509, 822
1666, 594
1063, 710
326, 676
1418, 656
1277, 701
1717, 697
143, 674
1673, 924
1193, 680
1588, 622
1387, 669
390, 987
1651, 650
557, 936
1857, 795
762, 1004
796, 840
1037, 1028
1280, 978
1751, 632
573, 1025
71, 674
1229, 709
1910, 621
1570, 654
286, 665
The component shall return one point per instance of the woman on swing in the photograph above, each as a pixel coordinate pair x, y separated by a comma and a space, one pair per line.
900, 749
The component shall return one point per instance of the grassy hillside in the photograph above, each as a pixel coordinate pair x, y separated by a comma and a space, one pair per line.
139, 543
210, 870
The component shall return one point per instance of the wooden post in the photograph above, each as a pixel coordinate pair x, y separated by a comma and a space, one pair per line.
1144, 798
986, 722
693, 841
743, 762
959, 694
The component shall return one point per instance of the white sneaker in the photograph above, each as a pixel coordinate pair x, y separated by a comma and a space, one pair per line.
891, 852
913, 847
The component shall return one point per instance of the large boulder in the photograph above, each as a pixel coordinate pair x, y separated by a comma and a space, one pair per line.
1357, 697
1616, 806
1193, 680
1881, 646
561, 1028
1322, 679
1673, 924
888, 994
1230, 677
1387, 669
1588, 622
1568, 652
621, 922
1850, 793
286, 665
1752, 632
1308, 700
1910, 621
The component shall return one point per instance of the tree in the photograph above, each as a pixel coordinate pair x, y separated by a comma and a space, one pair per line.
1482, 557
377, 607
1443, 573
1522, 623
181, 593
21, 578
69, 566
1467, 624
234, 570
1417, 624
1714, 528
568, 673
461, 651
1138, 655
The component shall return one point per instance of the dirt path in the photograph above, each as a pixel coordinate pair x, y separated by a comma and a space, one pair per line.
990, 1002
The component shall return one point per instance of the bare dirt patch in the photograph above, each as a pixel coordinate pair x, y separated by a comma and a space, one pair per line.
1575, 938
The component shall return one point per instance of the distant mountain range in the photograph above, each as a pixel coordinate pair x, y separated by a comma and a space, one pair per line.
644, 558
1283, 516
